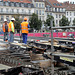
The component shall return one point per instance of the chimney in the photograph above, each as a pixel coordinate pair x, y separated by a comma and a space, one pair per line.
73, 2
70, 2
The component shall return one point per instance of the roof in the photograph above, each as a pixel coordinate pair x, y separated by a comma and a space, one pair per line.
56, 4
70, 7
39, 0
20, 1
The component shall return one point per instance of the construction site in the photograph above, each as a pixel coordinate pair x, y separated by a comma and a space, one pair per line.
37, 37
40, 56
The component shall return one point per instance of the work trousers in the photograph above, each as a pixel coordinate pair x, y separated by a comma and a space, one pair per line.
24, 35
11, 37
6, 36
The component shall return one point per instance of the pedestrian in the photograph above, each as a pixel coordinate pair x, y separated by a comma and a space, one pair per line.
24, 29
6, 30
12, 30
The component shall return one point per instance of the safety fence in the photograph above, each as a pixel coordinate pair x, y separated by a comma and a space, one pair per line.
55, 34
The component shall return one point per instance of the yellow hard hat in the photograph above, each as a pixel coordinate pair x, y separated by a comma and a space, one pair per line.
25, 18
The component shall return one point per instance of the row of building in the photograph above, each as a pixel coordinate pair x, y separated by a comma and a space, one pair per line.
25, 8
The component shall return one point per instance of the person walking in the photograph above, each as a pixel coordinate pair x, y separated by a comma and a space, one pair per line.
6, 30
24, 29
12, 30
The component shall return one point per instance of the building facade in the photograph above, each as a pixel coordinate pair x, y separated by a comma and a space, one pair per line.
70, 13
55, 9
9, 8
39, 9
43, 8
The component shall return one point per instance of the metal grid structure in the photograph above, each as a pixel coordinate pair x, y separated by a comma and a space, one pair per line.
52, 48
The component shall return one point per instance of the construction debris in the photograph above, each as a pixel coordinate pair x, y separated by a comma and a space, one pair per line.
35, 58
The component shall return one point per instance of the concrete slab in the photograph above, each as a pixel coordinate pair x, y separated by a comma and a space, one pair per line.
2, 67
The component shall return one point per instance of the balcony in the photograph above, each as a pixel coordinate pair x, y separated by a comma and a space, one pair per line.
13, 13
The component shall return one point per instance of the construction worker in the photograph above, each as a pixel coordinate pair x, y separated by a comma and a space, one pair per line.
12, 30
5, 30
24, 29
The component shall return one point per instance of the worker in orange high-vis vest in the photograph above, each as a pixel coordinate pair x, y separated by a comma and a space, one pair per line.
12, 30
6, 30
24, 29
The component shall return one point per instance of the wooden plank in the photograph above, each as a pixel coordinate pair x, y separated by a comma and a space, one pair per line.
66, 41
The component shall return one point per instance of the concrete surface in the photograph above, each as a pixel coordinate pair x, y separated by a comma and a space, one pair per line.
2, 67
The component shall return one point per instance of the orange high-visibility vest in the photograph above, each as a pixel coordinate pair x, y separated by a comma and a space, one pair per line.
4, 27
24, 27
10, 26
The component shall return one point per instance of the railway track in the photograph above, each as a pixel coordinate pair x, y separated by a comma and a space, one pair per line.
18, 56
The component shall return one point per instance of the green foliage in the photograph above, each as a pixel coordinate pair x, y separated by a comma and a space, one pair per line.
48, 20
74, 22
64, 21
34, 22
17, 22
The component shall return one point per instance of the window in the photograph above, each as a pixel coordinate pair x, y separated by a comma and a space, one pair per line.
47, 8
60, 4
58, 9
40, 5
40, 17
70, 13
2, 18
7, 17
50, 13
1, 3
42, 12
56, 21
29, 5
67, 13
62, 9
1, 9
12, 10
70, 19
54, 4
29, 11
17, 10
17, 4
36, 11
6, 3
47, 14
22, 10
55, 9
74, 13
12, 4
36, 4
56, 16
6, 10
59, 16
39, 12
22, 5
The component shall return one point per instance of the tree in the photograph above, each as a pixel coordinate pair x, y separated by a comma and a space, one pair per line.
17, 22
74, 22
64, 21
34, 22
48, 20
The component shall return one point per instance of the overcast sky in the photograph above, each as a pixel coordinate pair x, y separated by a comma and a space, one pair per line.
66, 0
